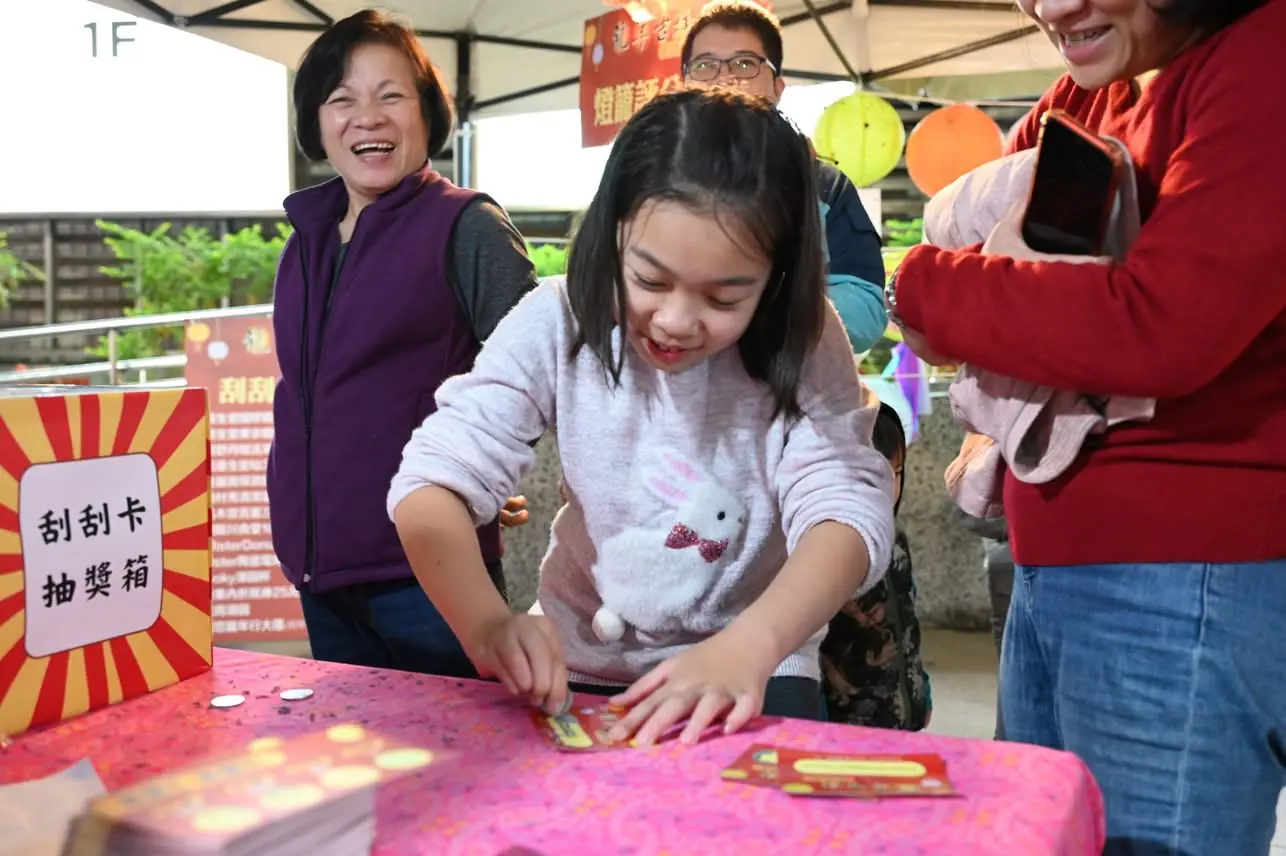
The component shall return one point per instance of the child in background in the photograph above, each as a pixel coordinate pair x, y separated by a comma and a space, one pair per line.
705, 397
872, 670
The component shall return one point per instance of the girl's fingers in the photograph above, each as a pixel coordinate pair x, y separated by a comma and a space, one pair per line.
514, 670
541, 660
637, 714
664, 717
559, 699
642, 688
705, 713
746, 708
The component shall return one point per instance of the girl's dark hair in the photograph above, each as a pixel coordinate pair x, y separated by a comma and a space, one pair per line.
324, 63
889, 439
736, 157
1206, 15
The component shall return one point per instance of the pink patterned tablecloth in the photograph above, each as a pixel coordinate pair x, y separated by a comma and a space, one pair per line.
510, 793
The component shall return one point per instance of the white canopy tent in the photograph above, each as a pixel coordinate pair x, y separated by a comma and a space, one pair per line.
519, 56
523, 56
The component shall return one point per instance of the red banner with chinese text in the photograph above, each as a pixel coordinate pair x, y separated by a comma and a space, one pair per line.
624, 65
234, 359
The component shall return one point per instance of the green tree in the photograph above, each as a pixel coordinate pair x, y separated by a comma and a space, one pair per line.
548, 259
13, 270
903, 233
180, 273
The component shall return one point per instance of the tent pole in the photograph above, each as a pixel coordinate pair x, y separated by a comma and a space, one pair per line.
816, 15
463, 147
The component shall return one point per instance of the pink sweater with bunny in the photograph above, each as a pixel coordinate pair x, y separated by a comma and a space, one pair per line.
684, 494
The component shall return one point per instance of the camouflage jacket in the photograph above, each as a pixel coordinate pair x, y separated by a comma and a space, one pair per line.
872, 670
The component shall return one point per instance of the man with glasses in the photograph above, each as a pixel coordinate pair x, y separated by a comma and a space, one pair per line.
739, 43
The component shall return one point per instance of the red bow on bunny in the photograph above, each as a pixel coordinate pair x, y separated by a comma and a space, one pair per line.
685, 536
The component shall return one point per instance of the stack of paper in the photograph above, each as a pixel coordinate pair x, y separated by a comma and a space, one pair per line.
306, 795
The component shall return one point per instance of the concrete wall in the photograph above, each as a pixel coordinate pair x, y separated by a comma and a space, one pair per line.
948, 560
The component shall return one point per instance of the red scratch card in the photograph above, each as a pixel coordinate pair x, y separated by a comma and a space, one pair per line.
806, 773
582, 729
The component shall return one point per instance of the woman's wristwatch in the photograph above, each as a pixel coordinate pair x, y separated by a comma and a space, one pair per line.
891, 298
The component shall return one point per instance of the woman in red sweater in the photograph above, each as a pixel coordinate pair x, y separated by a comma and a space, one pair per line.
1147, 631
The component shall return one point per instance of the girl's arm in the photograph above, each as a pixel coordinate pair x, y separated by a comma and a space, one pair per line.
461, 465
830, 562
442, 546
836, 497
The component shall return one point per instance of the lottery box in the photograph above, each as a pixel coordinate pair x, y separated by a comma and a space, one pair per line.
104, 548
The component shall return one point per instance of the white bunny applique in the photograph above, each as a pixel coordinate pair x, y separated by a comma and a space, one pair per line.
651, 578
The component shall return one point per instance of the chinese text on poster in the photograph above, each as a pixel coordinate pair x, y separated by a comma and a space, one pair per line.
105, 568
623, 66
234, 359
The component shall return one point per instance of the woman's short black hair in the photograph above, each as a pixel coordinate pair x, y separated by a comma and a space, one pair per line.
326, 60
1207, 16
737, 158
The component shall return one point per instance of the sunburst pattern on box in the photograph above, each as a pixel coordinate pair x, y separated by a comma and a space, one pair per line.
166, 431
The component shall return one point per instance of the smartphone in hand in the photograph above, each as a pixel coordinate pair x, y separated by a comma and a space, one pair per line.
1074, 190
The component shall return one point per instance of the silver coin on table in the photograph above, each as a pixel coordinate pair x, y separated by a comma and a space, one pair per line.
227, 701
296, 695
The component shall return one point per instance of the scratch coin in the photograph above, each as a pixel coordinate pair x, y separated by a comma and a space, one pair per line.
227, 701
296, 695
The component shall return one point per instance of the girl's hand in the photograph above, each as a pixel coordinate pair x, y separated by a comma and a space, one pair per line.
515, 512
524, 653
714, 677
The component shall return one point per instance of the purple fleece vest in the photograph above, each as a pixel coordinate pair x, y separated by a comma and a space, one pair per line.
360, 375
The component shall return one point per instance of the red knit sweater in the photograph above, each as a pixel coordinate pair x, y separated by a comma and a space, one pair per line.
1194, 317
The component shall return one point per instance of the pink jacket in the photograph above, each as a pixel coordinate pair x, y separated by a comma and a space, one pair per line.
1034, 430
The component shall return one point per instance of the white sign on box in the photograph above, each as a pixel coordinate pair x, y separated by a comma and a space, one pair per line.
91, 546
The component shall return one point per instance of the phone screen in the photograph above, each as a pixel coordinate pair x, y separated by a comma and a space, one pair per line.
1071, 196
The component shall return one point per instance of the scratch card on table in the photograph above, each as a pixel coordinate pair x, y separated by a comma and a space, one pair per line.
582, 729
807, 773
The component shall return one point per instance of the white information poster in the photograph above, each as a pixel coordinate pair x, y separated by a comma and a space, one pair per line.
104, 112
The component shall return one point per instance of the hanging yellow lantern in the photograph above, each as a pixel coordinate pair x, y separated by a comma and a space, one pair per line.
863, 135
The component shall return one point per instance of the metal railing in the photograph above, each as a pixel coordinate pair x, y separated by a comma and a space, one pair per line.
113, 365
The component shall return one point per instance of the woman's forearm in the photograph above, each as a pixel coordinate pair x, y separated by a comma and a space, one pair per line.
829, 565
442, 546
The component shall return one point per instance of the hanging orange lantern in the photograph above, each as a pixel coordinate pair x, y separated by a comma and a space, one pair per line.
950, 142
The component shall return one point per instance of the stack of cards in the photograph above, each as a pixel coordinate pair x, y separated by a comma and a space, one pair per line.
312, 795
824, 774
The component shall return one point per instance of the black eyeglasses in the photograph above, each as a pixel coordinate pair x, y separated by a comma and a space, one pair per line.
741, 67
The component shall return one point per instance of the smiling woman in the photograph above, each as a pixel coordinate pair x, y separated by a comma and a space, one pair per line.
1151, 575
389, 284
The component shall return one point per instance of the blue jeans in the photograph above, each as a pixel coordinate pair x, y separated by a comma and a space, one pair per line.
1169, 680
389, 625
